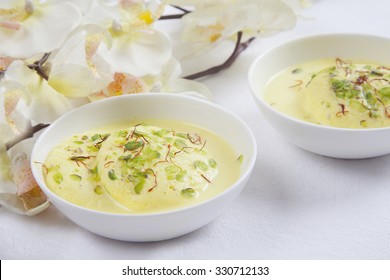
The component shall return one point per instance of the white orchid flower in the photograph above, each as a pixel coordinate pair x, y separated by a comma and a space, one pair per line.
169, 81
31, 96
137, 48
18, 190
30, 27
210, 24
12, 122
5, 61
76, 69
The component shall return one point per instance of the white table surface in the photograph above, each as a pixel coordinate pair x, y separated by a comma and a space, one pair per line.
297, 205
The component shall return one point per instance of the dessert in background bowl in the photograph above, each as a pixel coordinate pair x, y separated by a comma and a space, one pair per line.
328, 94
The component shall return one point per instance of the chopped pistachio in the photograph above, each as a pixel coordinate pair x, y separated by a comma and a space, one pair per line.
212, 163
188, 192
95, 137
172, 169
122, 133
58, 178
296, 71
125, 158
93, 148
94, 170
111, 175
139, 186
200, 165
98, 190
161, 132
75, 177
133, 145
384, 92
180, 175
240, 158
150, 154
181, 135
355, 104
180, 144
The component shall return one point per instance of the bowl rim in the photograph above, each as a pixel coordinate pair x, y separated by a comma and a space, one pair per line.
258, 97
243, 176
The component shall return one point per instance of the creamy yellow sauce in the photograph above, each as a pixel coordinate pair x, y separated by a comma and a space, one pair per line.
141, 167
333, 92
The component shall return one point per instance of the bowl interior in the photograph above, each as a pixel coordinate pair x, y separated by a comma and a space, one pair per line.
148, 106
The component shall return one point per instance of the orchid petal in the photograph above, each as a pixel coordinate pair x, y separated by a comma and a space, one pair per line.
197, 89
210, 24
168, 81
73, 80
39, 102
139, 53
18, 190
77, 71
11, 121
42, 31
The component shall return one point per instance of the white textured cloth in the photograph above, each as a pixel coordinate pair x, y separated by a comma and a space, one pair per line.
297, 205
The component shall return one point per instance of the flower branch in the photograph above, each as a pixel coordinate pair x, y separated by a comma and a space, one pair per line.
25, 135
38, 66
176, 16
239, 47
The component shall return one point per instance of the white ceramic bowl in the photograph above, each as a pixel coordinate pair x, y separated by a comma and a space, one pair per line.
155, 226
323, 140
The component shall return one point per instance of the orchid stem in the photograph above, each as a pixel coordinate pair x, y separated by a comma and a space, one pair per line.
176, 16
236, 52
25, 135
38, 66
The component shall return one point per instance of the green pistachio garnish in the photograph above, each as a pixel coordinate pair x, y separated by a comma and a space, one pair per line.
188, 192
180, 144
160, 133
133, 145
200, 165
140, 185
98, 190
125, 158
122, 133
181, 135
240, 159
95, 137
58, 178
172, 169
93, 148
384, 92
180, 175
212, 163
296, 71
111, 175
75, 177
